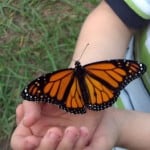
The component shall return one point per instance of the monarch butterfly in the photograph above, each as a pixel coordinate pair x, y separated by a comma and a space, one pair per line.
94, 86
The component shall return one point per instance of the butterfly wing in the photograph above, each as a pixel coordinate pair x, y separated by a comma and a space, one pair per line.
105, 80
60, 88
74, 102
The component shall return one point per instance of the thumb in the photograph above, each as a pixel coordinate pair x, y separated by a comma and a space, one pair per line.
19, 113
32, 112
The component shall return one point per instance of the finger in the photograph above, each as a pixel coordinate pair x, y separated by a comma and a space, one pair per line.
32, 112
51, 139
83, 139
19, 113
69, 139
25, 143
23, 140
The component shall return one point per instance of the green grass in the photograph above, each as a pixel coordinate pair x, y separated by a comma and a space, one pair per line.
35, 37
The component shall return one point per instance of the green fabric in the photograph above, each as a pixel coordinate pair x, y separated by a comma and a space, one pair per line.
142, 55
136, 9
119, 104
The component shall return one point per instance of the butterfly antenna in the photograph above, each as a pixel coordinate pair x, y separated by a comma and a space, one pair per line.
83, 51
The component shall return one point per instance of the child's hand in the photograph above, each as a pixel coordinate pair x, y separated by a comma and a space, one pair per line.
34, 126
56, 130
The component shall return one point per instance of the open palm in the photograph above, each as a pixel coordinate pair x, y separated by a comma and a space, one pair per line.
46, 128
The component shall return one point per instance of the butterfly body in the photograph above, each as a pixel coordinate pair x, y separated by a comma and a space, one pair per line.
94, 86
80, 73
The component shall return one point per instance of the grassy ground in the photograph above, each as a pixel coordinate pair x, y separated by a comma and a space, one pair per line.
35, 37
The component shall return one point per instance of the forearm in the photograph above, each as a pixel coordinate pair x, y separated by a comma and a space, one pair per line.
135, 130
107, 36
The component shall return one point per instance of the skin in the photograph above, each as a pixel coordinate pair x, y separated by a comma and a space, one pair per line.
45, 127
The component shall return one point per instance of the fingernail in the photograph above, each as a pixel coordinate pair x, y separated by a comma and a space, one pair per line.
26, 115
53, 136
25, 120
30, 146
84, 131
71, 133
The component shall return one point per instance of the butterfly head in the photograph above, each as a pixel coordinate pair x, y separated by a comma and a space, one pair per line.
77, 64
